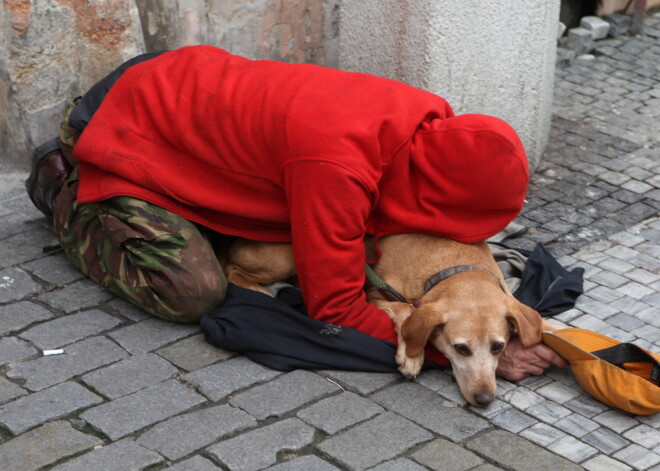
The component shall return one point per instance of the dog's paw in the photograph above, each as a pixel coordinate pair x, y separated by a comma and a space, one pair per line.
409, 367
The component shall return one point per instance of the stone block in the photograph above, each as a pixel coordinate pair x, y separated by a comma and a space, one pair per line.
260, 447
283, 394
361, 382
151, 333
44, 446
542, 434
513, 420
619, 24
193, 353
447, 456
79, 295
599, 26
14, 349
57, 270
130, 413
196, 463
561, 29
402, 464
580, 40
573, 449
356, 448
16, 284
77, 359
512, 451
428, 409
69, 329
308, 463
53, 403
221, 379
130, 375
605, 440
338, 412
10, 391
24, 247
17, 316
182, 435
119, 456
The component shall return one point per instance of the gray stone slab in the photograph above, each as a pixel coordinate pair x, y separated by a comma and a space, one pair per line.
43, 446
128, 310
17, 316
260, 447
542, 434
69, 329
338, 412
9, 390
374, 441
131, 413
576, 425
124, 455
221, 379
360, 382
304, 463
151, 334
182, 435
76, 296
77, 359
35, 409
604, 463
196, 463
401, 464
423, 406
443, 455
517, 453
616, 420
130, 375
56, 269
283, 394
548, 411
193, 353
24, 247
513, 420
16, 284
14, 349
644, 435
606, 440
573, 449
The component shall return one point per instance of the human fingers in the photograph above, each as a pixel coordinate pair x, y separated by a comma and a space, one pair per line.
547, 356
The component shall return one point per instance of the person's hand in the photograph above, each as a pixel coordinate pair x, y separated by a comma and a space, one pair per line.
517, 361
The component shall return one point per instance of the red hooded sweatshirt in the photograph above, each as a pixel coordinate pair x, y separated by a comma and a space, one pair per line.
304, 154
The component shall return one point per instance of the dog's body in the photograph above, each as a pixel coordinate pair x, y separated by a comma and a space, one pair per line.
469, 316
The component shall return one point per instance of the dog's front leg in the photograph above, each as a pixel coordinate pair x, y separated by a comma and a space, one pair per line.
399, 312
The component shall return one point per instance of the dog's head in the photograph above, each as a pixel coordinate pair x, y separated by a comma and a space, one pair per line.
471, 329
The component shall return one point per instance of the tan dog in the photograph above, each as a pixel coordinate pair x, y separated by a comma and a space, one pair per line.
467, 313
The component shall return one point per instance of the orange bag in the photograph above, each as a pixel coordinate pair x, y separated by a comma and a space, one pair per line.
622, 375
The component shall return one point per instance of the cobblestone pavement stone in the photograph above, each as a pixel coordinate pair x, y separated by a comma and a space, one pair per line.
134, 393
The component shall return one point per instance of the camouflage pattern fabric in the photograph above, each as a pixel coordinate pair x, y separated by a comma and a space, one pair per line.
68, 134
141, 252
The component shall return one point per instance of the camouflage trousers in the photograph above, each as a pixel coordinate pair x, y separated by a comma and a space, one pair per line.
141, 252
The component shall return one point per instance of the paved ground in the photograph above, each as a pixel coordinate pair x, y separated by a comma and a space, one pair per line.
133, 393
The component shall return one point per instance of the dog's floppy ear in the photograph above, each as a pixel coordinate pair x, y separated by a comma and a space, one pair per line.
524, 321
417, 329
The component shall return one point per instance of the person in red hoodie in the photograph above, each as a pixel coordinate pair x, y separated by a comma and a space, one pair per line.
175, 148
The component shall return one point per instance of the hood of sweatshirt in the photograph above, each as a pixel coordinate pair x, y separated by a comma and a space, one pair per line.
464, 178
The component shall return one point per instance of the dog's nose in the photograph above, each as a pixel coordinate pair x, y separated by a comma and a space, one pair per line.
484, 398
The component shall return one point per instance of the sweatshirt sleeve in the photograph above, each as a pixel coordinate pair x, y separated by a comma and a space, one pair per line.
329, 205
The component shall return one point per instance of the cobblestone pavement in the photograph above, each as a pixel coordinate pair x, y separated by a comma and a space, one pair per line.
133, 393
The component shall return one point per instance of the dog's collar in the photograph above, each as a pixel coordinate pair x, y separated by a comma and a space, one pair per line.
451, 271
393, 295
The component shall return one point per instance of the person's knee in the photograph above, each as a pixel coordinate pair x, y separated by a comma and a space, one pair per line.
198, 295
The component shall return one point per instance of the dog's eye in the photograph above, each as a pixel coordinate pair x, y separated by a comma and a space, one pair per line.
462, 349
497, 348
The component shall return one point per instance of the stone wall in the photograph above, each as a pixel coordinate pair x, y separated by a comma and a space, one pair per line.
482, 60
54, 50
